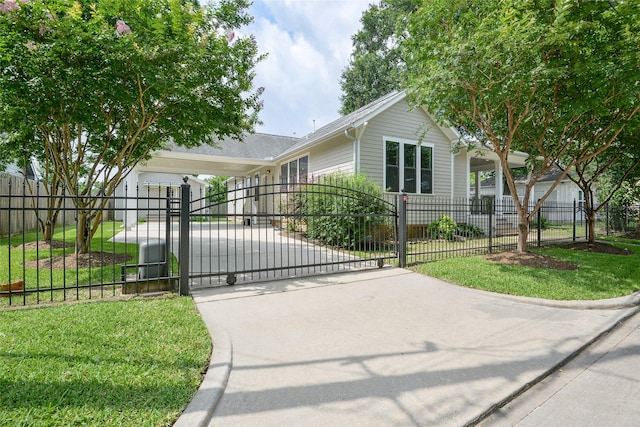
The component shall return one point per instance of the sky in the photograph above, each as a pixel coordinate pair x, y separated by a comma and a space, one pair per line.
308, 43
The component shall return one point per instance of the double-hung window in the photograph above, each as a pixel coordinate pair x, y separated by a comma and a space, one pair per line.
408, 166
295, 171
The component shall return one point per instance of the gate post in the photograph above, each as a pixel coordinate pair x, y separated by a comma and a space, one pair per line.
539, 224
167, 234
575, 215
490, 228
402, 230
183, 261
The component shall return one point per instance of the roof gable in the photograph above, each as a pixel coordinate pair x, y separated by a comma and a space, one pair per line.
353, 119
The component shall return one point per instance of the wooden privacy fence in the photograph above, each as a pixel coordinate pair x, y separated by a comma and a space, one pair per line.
23, 201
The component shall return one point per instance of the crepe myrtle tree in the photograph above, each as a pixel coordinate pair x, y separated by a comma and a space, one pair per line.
543, 77
103, 83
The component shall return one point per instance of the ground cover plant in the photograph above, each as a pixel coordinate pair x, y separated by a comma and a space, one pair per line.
585, 274
134, 362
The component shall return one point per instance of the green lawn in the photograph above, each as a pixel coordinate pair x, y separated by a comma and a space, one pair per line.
598, 276
58, 284
127, 363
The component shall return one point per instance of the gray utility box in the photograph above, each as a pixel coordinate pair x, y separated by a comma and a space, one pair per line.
152, 252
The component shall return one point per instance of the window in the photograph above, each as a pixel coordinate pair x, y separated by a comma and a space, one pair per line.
408, 167
294, 172
580, 199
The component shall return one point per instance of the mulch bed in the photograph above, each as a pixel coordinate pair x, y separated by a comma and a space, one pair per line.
44, 245
73, 261
529, 259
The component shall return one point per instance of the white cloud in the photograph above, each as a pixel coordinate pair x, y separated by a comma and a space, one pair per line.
309, 44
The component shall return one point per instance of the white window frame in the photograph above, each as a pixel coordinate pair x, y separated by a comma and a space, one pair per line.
402, 142
287, 164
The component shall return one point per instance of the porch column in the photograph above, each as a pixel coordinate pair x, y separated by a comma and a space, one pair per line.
499, 188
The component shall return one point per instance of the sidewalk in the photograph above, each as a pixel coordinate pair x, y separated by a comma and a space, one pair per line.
599, 387
378, 348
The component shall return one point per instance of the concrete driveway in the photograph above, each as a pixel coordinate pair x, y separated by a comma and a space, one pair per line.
219, 248
384, 347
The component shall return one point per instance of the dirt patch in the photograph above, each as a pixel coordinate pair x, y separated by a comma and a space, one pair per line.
44, 245
635, 235
529, 259
73, 261
598, 247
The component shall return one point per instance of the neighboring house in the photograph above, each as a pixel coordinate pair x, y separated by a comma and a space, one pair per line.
565, 193
31, 171
143, 195
398, 147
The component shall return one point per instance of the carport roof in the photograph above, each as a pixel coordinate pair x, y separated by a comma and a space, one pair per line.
229, 157
260, 146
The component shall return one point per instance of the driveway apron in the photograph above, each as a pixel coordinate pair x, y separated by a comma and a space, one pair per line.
384, 347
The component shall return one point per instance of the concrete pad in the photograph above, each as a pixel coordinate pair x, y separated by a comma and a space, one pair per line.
382, 348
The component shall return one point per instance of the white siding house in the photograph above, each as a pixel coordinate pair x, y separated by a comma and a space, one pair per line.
398, 147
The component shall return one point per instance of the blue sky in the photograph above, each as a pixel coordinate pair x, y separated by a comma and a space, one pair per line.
308, 43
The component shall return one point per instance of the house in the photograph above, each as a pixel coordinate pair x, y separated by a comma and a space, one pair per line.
564, 195
31, 171
402, 149
143, 194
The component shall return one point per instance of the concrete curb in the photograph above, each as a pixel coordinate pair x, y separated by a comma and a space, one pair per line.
628, 301
508, 399
200, 410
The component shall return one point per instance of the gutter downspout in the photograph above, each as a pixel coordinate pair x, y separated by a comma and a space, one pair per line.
356, 144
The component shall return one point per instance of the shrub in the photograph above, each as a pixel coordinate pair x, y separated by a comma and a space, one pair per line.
442, 228
342, 210
469, 230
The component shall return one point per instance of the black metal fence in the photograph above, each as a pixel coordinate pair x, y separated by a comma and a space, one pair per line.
112, 245
260, 228
438, 228
166, 237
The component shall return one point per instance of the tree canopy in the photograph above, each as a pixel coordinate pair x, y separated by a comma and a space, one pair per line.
376, 66
101, 84
543, 77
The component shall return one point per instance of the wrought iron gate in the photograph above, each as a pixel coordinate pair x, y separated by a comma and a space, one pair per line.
258, 229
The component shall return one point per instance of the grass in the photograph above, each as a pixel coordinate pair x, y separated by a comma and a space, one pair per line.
126, 363
49, 281
34, 276
599, 276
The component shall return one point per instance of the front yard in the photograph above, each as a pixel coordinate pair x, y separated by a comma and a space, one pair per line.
597, 276
125, 363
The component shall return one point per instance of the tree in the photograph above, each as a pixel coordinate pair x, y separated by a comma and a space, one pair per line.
376, 66
50, 188
217, 191
606, 174
533, 76
102, 84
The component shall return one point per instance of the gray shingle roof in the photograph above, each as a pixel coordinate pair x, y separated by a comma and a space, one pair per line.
261, 146
258, 146
344, 122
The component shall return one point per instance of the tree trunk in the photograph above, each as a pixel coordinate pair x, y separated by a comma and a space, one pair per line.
591, 225
523, 234
47, 231
83, 233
